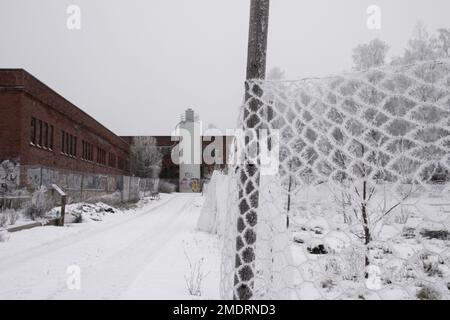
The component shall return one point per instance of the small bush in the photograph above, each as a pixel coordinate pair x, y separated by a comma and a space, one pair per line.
195, 277
8, 217
428, 293
402, 216
13, 216
167, 187
3, 219
38, 207
4, 235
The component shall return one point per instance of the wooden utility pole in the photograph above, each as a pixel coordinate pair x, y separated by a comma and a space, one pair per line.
250, 172
257, 39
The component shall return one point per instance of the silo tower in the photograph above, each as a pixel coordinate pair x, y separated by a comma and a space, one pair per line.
191, 152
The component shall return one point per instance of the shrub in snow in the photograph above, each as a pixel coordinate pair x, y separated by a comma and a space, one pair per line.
39, 206
195, 277
431, 264
167, 187
12, 216
4, 235
428, 293
3, 219
402, 216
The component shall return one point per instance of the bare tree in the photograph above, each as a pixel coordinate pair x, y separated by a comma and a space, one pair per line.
444, 42
146, 157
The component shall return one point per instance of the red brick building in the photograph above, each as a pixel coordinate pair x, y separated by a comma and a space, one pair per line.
39, 127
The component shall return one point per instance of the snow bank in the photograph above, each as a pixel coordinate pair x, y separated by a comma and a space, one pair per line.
213, 215
84, 212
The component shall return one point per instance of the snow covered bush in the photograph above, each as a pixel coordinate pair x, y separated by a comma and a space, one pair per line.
38, 206
428, 293
3, 219
11, 215
4, 235
8, 217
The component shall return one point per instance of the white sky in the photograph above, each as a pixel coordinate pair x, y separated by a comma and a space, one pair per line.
136, 65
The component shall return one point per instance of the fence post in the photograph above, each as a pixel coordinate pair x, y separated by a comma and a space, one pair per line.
63, 204
249, 172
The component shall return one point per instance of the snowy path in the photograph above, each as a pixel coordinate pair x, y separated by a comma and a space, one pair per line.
138, 255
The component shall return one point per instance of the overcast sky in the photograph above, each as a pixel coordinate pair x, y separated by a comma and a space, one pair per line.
136, 65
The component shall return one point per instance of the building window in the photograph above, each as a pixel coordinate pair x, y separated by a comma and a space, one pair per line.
112, 160
33, 131
45, 145
51, 137
63, 141
71, 144
68, 144
101, 156
41, 134
87, 151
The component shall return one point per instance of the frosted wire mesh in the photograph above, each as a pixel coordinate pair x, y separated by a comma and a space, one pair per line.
360, 206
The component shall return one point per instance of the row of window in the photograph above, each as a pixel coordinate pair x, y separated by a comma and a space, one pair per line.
101, 156
87, 151
112, 159
42, 133
68, 144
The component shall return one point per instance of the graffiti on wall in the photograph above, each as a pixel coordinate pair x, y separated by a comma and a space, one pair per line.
9, 176
190, 185
195, 185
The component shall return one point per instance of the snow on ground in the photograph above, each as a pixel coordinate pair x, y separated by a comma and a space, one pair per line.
138, 253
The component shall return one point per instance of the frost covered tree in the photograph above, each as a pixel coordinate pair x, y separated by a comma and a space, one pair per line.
146, 157
443, 42
422, 46
425, 46
372, 54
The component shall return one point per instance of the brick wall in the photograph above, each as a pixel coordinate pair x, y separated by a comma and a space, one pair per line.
22, 98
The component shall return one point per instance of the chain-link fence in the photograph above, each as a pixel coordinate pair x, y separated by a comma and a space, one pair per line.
360, 205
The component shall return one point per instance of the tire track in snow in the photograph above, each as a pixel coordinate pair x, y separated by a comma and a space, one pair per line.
110, 256
56, 244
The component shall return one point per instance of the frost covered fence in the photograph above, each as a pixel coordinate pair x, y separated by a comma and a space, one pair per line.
360, 206
249, 172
